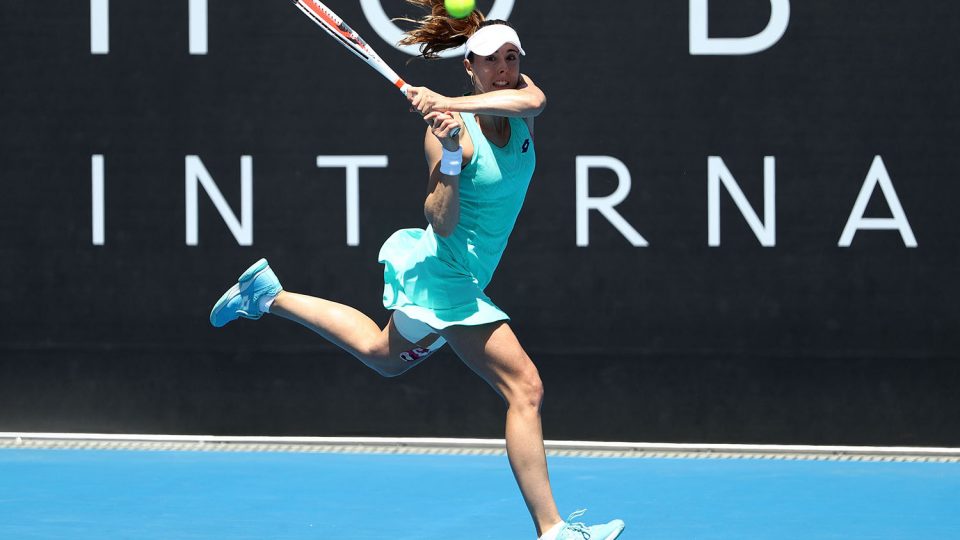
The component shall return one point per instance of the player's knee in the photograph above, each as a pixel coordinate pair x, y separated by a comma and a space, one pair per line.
385, 367
378, 358
536, 390
528, 389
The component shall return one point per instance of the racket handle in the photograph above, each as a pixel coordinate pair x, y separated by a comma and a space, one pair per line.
453, 133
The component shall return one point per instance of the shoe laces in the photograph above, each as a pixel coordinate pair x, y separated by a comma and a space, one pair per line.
577, 527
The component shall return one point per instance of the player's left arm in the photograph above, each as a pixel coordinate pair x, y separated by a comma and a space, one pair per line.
526, 101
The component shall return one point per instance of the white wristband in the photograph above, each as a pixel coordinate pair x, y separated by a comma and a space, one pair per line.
451, 162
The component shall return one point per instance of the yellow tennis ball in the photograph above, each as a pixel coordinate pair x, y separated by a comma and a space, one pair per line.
459, 9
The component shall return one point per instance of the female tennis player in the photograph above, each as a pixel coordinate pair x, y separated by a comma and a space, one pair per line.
434, 279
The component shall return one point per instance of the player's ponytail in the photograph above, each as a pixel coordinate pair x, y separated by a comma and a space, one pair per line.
438, 31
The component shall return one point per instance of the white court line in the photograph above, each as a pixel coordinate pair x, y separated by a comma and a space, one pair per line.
413, 445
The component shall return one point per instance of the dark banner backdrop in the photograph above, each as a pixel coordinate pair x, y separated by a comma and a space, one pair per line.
696, 259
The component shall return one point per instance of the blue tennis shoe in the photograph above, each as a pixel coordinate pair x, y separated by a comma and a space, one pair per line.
579, 531
243, 299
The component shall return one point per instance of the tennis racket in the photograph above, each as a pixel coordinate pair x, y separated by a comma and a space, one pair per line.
346, 36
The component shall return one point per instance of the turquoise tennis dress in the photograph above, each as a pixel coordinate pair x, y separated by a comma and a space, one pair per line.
440, 280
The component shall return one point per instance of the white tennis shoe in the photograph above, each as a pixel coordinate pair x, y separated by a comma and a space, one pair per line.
580, 531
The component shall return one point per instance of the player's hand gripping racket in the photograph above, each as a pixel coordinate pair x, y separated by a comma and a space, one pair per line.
334, 25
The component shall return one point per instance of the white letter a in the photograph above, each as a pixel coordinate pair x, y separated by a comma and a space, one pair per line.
878, 175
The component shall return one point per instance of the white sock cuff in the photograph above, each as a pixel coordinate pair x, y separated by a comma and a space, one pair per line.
266, 302
552, 533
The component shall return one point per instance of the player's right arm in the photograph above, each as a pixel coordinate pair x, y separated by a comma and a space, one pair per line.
442, 206
527, 100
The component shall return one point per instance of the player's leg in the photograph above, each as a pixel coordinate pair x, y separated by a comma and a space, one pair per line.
386, 350
258, 291
344, 326
494, 353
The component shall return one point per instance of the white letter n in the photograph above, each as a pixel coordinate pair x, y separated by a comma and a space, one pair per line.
717, 172
242, 229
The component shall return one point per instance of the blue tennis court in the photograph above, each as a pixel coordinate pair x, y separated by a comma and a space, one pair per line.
162, 494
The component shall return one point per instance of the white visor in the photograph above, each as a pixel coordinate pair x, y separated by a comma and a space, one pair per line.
489, 39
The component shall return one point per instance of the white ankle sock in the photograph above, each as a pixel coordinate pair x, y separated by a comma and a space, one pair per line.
266, 302
552, 533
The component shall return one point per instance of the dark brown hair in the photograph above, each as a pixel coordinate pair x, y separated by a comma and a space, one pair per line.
438, 31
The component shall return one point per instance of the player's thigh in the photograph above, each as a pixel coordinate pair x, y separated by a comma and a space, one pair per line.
494, 352
395, 354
